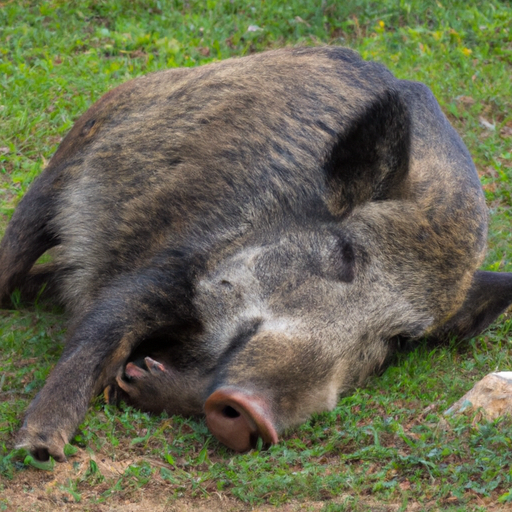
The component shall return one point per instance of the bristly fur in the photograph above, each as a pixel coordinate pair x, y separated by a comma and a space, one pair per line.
265, 224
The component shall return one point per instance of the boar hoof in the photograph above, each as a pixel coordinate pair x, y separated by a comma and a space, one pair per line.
41, 445
134, 380
133, 371
237, 418
154, 367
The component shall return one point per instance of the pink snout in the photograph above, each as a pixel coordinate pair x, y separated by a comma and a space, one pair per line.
237, 418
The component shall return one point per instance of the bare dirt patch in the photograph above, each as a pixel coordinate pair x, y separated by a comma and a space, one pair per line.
35, 490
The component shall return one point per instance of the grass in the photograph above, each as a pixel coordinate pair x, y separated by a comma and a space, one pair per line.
388, 446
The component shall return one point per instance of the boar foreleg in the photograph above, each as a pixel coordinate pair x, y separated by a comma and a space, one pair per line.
125, 314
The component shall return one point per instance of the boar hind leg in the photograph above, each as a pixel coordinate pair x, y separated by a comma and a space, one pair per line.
489, 296
28, 235
40, 284
96, 352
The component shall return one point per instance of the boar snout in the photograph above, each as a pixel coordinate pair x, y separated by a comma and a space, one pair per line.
237, 418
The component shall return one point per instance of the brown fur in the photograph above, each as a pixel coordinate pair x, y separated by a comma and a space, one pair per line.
260, 226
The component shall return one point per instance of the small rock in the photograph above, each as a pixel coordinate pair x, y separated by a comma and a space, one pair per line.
486, 124
493, 395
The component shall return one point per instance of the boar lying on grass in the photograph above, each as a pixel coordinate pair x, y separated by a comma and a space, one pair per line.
244, 239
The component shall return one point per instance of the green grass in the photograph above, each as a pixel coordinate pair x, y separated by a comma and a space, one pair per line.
388, 443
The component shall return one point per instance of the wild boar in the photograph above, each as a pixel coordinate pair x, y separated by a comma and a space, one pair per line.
244, 240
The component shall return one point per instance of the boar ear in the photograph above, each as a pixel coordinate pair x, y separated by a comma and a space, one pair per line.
369, 159
489, 296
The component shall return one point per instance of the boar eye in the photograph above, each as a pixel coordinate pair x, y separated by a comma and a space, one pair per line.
343, 259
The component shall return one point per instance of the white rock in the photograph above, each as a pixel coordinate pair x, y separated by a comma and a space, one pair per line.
493, 394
